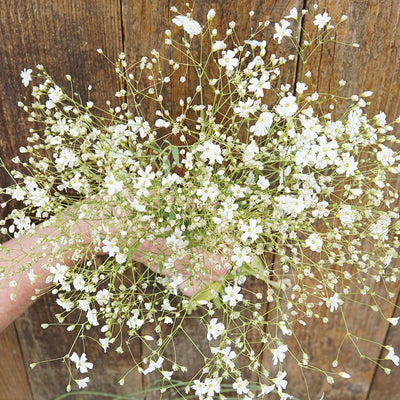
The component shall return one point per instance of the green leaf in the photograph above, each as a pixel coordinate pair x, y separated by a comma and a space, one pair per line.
167, 165
255, 268
208, 293
152, 147
175, 155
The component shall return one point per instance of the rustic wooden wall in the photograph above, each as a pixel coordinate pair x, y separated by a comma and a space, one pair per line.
64, 35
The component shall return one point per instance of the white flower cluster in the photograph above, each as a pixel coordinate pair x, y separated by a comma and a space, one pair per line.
247, 168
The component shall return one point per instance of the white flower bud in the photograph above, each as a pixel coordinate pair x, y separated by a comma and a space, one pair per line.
211, 14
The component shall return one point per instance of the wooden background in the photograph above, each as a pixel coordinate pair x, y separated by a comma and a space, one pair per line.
64, 35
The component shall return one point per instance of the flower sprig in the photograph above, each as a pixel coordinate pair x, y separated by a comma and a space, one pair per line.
247, 176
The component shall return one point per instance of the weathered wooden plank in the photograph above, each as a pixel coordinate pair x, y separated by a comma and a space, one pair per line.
49, 380
13, 380
64, 36
384, 386
374, 66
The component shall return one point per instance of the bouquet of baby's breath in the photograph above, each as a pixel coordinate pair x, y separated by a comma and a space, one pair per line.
247, 176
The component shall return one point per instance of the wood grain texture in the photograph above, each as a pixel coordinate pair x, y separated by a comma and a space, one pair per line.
63, 36
374, 66
13, 380
385, 386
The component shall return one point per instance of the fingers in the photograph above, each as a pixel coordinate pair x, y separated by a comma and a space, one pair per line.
214, 270
215, 267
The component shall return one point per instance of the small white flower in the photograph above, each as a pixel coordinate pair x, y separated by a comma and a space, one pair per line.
18, 194
110, 247
91, 316
135, 322
213, 386
314, 242
263, 182
167, 374
240, 386
263, 124
188, 161
301, 87
258, 85
282, 31
59, 272
218, 45
346, 164
266, 389
292, 14
161, 123
55, 94
228, 60
251, 230
229, 206
287, 106
176, 240
146, 176
279, 353
210, 14
280, 383
66, 158
76, 183
138, 125
333, 302
367, 93
83, 305
120, 258
380, 119
26, 76
348, 215
136, 205
215, 329
65, 304
153, 365
199, 388
170, 179
190, 26
229, 355
81, 362
113, 185
321, 20
232, 296
32, 276
211, 152
79, 283
392, 356
244, 108
241, 256
82, 383
104, 343
385, 156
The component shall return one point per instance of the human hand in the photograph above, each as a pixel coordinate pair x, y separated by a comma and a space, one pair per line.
213, 268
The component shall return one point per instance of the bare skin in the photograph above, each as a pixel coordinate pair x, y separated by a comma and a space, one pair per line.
20, 248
